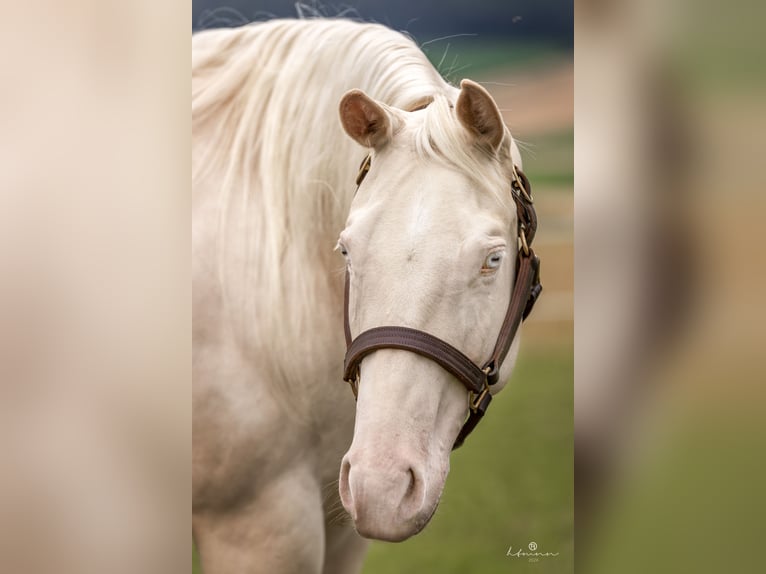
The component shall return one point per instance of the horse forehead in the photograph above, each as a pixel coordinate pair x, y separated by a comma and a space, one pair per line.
422, 202
431, 204
423, 221
423, 238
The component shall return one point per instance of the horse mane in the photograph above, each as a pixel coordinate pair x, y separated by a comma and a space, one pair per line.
267, 137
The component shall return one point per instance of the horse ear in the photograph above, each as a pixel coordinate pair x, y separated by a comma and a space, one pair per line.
478, 113
364, 119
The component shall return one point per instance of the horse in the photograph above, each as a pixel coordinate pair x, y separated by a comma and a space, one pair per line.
290, 474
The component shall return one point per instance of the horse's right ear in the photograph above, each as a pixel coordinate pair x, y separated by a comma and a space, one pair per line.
364, 119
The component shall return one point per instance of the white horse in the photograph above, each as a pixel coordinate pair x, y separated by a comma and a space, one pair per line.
429, 242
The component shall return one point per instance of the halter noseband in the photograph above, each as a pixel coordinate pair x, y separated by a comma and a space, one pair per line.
477, 379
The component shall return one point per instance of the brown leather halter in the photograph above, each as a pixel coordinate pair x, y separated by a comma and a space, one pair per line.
477, 379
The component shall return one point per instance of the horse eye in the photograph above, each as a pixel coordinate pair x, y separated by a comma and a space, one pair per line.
492, 261
342, 248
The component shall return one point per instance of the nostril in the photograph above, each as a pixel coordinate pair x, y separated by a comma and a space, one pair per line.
414, 496
344, 488
411, 487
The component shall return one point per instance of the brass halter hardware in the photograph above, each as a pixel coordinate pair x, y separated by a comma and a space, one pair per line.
363, 169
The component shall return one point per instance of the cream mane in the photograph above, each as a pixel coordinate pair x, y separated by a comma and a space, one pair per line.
267, 139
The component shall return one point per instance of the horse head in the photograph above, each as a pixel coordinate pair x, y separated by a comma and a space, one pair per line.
430, 244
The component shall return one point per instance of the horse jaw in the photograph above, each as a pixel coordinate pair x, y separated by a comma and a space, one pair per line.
409, 413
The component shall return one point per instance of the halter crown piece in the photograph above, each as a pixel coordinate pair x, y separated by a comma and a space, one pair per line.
477, 379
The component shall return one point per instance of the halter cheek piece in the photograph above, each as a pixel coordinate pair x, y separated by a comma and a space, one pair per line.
477, 379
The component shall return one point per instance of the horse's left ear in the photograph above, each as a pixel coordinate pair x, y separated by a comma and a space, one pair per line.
479, 114
364, 119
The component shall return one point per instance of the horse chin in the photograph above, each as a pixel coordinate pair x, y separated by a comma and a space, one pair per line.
392, 532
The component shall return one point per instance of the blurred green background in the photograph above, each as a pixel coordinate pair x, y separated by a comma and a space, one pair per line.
512, 482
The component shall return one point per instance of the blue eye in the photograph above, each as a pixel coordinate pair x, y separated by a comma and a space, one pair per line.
493, 261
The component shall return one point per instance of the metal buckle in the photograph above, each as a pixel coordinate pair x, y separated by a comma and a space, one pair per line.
475, 403
491, 372
523, 238
520, 185
354, 384
363, 169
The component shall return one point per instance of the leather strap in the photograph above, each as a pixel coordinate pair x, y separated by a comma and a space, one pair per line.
525, 291
477, 380
404, 338
476, 412
346, 326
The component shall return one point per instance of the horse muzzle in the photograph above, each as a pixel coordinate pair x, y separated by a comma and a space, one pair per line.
386, 497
